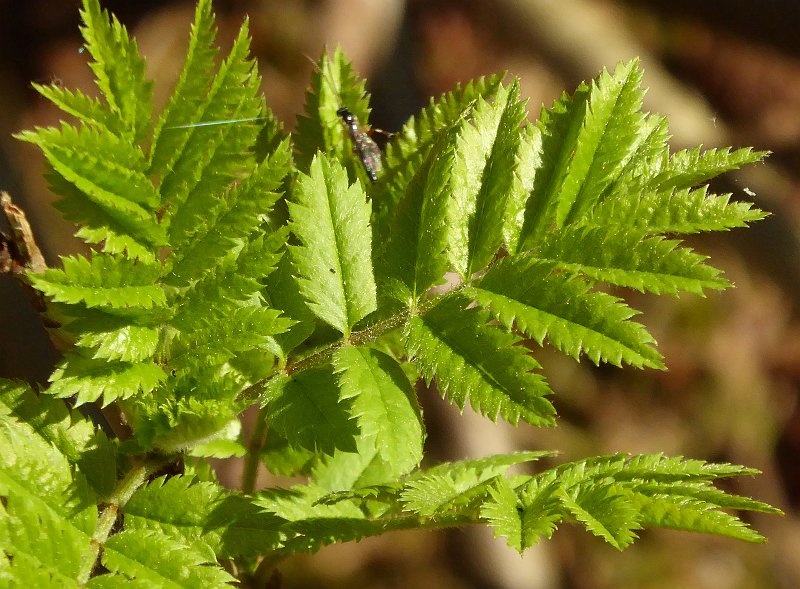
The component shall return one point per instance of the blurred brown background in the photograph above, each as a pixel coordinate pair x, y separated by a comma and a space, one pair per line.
724, 73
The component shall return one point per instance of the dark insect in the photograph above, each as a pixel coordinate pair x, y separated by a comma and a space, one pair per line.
366, 149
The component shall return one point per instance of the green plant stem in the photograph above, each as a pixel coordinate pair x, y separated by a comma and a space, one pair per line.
357, 338
122, 493
271, 560
253, 458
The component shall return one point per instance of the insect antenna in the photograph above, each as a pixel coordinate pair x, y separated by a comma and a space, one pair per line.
215, 123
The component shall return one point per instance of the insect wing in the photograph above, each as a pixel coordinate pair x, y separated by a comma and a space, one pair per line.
369, 154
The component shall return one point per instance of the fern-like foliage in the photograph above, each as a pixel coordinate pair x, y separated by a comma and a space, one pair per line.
198, 302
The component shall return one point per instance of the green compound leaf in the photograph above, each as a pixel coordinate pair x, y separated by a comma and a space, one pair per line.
102, 281
306, 410
200, 162
157, 561
558, 129
384, 405
107, 168
130, 334
414, 257
104, 228
90, 379
190, 301
627, 257
119, 69
228, 226
125, 342
616, 495
331, 220
675, 211
484, 171
48, 511
189, 97
607, 141
421, 132
527, 160
282, 459
675, 507
233, 286
312, 524
75, 437
452, 486
525, 293
689, 168
204, 515
522, 527
79, 105
473, 361
588, 139
413, 144
97, 169
606, 511
218, 335
652, 151
344, 471
282, 292
181, 416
